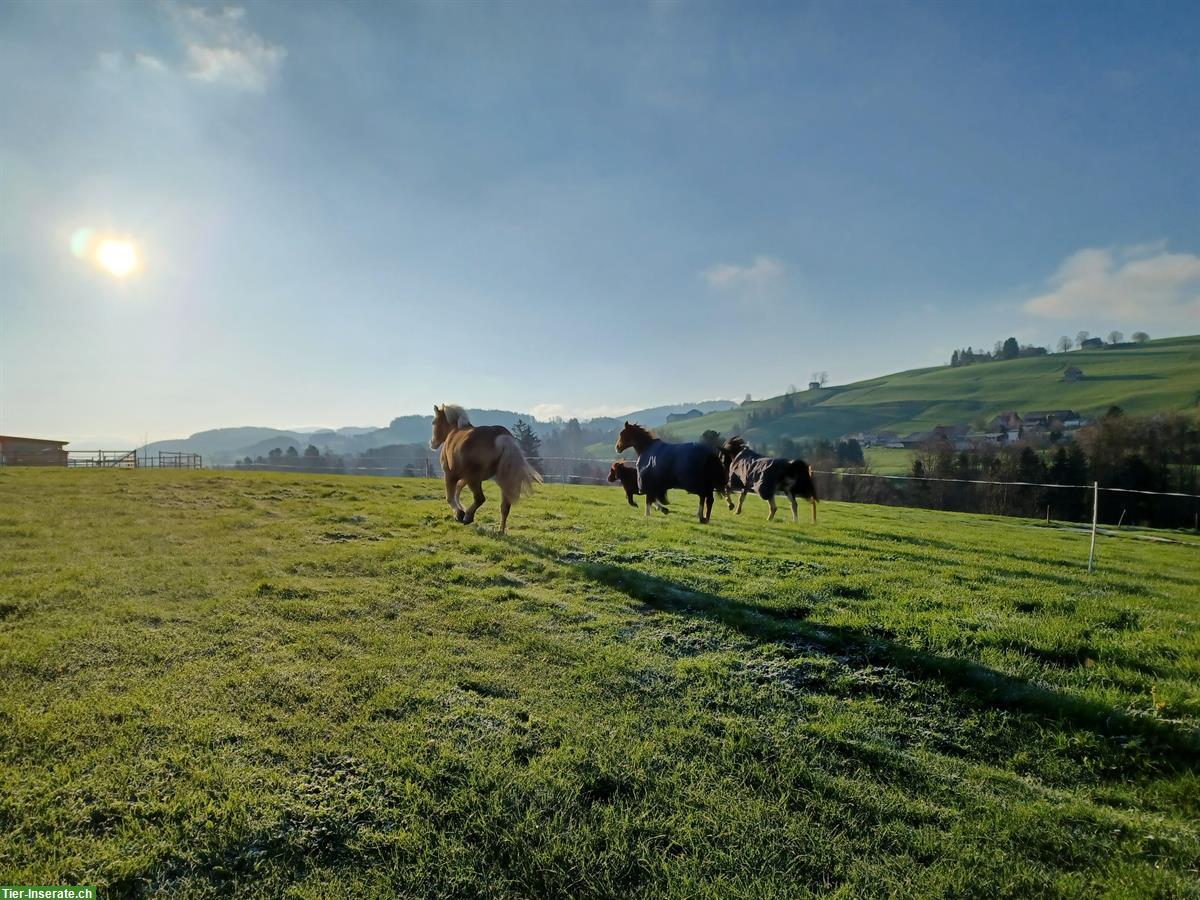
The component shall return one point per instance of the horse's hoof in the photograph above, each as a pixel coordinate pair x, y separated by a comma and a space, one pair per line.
460, 515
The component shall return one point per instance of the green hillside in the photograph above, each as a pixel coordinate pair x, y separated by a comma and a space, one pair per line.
1159, 376
267, 685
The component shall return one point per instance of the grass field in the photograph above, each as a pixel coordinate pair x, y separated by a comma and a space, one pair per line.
888, 460
240, 684
1159, 376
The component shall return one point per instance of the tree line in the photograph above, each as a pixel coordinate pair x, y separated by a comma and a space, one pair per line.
1009, 348
392, 459
1156, 453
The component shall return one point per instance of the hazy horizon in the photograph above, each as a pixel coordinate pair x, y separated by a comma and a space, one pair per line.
543, 413
213, 216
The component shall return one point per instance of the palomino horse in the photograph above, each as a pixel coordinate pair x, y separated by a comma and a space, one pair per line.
767, 476
661, 466
472, 455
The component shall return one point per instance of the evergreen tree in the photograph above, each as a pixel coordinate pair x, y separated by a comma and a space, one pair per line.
528, 440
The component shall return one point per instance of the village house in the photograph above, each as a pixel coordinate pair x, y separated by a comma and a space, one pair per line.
1008, 424
1051, 419
874, 438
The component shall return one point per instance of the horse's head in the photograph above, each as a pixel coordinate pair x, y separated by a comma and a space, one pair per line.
441, 428
633, 435
730, 449
447, 418
614, 471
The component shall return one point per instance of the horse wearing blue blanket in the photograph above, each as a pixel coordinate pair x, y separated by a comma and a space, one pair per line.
661, 466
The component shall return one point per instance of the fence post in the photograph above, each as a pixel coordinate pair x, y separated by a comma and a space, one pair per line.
1095, 515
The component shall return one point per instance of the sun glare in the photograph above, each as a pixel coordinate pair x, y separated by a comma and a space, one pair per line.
118, 258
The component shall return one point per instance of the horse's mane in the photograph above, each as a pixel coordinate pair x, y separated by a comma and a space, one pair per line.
635, 428
735, 445
455, 415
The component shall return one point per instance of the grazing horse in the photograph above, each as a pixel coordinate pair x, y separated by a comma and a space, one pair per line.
694, 468
472, 455
766, 476
628, 477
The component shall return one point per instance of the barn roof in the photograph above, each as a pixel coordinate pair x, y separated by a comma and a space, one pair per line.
9, 437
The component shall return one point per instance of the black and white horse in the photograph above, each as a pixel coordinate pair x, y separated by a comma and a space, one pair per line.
767, 476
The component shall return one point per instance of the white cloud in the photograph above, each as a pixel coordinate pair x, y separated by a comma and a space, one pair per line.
222, 49
762, 273
1139, 283
150, 63
218, 47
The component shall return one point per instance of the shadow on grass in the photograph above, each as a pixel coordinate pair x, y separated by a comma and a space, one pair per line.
1130, 377
983, 686
926, 551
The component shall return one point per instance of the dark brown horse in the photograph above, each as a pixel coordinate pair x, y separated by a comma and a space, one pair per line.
627, 476
661, 466
472, 455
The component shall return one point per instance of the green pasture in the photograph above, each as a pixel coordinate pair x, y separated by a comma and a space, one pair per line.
264, 684
888, 460
1159, 376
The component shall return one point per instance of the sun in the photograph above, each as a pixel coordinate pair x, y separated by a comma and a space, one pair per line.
118, 258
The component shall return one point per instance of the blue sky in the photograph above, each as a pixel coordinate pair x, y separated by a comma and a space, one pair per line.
347, 212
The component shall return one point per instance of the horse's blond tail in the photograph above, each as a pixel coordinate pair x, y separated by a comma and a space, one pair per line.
514, 474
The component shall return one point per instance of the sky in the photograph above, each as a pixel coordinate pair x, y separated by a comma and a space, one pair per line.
340, 213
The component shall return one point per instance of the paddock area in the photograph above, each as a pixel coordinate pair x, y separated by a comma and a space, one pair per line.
247, 682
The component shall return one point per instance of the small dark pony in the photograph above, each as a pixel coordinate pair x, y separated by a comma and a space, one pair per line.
767, 476
661, 466
627, 476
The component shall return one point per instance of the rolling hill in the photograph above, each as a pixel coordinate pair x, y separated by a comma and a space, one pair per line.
1158, 376
221, 446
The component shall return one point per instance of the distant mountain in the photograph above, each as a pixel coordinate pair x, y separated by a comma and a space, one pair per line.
349, 430
1159, 376
655, 416
222, 441
1143, 379
223, 446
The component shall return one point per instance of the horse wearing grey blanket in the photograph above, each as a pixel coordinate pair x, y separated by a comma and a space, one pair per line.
767, 476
